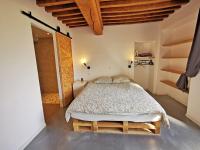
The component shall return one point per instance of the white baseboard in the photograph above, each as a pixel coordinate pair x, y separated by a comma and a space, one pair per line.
32, 137
191, 118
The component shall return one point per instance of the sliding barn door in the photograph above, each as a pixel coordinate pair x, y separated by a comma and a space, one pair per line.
65, 67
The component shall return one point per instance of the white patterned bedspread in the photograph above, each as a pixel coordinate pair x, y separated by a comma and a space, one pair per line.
115, 99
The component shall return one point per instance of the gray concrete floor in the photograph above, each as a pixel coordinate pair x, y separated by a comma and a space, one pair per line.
182, 135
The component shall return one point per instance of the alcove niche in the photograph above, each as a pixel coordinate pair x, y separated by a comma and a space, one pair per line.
144, 74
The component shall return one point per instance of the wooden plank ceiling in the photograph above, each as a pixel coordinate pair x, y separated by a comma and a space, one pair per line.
97, 13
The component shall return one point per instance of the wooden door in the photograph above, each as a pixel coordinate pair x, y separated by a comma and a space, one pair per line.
65, 67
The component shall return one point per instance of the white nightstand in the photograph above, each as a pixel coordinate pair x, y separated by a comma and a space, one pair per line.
78, 87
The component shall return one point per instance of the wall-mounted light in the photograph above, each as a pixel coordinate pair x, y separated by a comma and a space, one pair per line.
131, 62
84, 62
88, 67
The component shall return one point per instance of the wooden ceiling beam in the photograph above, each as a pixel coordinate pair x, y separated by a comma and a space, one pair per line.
91, 11
76, 23
70, 17
66, 13
73, 20
77, 12
44, 3
134, 22
76, 26
138, 13
124, 3
134, 17
59, 8
147, 7
105, 0
130, 22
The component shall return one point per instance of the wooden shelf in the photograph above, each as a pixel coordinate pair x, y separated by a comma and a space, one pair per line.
172, 70
136, 57
168, 57
169, 83
178, 42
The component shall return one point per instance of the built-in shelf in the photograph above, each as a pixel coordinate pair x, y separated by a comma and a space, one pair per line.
169, 57
178, 42
136, 57
172, 70
170, 83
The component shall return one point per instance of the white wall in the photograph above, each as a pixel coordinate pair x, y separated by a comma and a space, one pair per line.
21, 110
193, 111
109, 53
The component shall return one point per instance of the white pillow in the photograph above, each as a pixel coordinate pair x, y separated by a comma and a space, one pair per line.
121, 79
104, 79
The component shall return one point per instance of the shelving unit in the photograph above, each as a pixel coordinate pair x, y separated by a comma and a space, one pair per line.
171, 55
169, 83
175, 55
178, 42
172, 70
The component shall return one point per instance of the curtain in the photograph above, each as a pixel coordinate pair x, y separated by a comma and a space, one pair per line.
193, 64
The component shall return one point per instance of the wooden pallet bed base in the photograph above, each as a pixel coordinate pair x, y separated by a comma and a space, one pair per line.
123, 127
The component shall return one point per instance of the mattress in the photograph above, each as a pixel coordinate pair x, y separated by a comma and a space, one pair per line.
115, 102
133, 118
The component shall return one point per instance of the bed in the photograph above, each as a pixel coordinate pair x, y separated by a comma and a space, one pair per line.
116, 107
